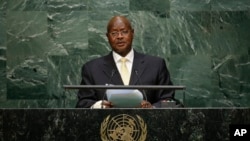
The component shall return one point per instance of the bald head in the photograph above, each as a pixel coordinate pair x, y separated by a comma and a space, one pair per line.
118, 19
120, 35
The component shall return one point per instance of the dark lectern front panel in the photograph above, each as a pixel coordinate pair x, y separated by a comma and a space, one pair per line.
119, 124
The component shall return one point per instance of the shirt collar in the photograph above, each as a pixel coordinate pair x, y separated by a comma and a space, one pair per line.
129, 56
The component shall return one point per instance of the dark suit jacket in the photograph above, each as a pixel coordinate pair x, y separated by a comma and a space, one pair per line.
146, 70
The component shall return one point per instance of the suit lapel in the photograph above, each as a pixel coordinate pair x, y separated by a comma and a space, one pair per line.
137, 68
110, 69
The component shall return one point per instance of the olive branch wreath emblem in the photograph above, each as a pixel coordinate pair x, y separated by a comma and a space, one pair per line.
141, 122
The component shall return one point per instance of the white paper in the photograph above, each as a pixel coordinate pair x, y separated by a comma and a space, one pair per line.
124, 98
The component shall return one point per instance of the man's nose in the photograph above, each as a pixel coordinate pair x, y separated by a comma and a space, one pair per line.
120, 35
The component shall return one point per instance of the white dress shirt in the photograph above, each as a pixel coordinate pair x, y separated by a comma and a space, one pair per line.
129, 63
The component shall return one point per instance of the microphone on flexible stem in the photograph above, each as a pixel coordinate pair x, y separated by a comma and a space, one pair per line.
110, 80
111, 76
143, 91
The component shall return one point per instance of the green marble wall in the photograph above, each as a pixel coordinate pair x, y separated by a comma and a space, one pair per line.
43, 44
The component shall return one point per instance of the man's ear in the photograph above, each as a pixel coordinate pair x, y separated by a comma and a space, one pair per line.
132, 30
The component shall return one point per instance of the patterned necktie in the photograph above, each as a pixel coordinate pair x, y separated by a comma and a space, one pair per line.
124, 71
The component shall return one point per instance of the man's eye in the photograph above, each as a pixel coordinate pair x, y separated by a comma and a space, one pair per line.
114, 33
125, 32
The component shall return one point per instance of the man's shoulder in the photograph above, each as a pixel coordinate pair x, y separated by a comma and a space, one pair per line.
150, 57
95, 61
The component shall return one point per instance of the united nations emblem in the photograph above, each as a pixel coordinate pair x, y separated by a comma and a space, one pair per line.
123, 127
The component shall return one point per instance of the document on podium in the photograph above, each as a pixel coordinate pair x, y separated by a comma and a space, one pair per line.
124, 98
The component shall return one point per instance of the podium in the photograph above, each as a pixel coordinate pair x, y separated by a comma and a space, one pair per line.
183, 124
140, 87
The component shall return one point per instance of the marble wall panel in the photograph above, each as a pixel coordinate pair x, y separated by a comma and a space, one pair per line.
27, 44
231, 80
44, 43
190, 5
151, 33
159, 8
2, 30
67, 31
3, 5
108, 5
67, 5
229, 34
64, 70
230, 5
230, 43
194, 72
190, 32
27, 5
3, 90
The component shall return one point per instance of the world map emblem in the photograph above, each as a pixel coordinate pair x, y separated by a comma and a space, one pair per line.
123, 127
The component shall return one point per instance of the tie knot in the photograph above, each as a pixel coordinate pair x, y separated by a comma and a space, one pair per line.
123, 59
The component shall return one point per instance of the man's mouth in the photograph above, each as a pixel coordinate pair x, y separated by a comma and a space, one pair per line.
121, 43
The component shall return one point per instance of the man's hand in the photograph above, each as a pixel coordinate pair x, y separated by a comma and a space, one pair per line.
106, 104
146, 104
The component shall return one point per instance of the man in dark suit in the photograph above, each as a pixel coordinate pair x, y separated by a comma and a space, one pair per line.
140, 69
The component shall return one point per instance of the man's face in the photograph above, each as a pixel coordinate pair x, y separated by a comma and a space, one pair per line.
120, 36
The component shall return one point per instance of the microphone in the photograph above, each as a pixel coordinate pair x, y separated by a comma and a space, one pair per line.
111, 76
143, 91
110, 80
